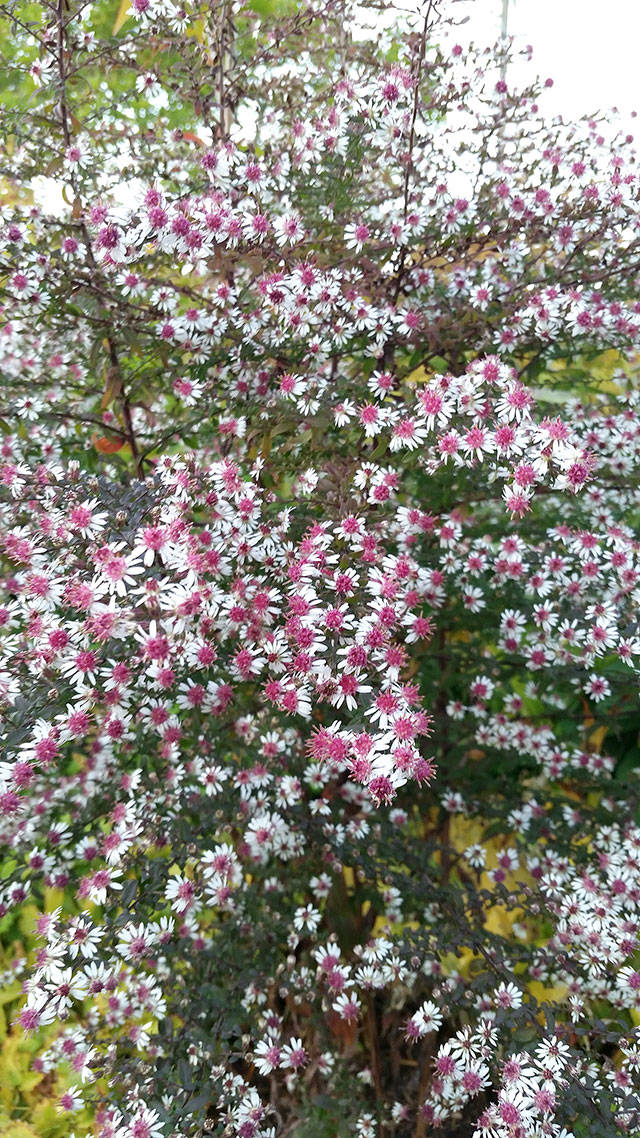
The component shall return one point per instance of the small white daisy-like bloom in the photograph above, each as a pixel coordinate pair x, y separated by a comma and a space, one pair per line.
288, 229
267, 1056
180, 892
597, 688
356, 235
507, 996
294, 1054
347, 1005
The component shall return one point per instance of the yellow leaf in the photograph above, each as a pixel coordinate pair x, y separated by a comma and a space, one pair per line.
13, 1066
46, 1119
419, 375
597, 737
499, 920
112, 387
198, 30
18, 1130
27, 920
124, 11
53, 898
464, 832
10, 992
29, 1081
546, 995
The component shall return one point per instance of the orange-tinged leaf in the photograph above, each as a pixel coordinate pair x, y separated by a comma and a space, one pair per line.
107, 446
344, 1030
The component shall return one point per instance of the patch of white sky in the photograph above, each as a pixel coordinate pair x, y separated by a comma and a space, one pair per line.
588, 48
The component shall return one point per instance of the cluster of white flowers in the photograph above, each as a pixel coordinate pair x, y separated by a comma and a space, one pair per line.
318, 676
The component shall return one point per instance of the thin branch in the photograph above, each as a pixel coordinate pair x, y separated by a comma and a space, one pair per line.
66, 133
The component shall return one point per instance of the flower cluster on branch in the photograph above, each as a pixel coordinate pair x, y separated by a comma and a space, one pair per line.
319, 579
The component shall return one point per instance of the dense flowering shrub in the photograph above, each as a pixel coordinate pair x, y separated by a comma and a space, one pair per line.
320, 580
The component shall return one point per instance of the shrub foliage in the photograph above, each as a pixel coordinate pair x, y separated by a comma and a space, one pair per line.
320, 566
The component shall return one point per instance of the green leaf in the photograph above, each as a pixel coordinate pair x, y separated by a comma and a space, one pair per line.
128, 893
11, 992
438, 364
271, 9
629, 762
184, 1071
